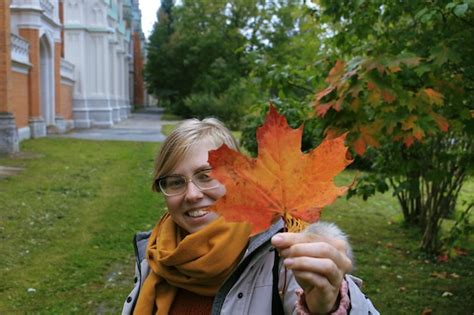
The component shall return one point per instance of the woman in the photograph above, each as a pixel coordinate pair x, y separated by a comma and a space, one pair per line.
194, 262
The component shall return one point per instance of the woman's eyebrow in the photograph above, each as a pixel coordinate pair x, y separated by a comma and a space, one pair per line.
201, 168
205, 167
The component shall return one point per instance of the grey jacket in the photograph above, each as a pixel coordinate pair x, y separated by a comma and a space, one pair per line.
249, 289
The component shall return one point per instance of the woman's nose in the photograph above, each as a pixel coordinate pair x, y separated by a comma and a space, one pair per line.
193, 193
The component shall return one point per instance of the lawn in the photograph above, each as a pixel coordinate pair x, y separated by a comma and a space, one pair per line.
67, 220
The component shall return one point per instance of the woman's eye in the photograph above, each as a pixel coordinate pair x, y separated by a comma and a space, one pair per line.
175, 182
203, 176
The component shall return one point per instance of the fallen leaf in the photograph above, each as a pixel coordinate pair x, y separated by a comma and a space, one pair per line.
439, 275
442, 258
282, 181
454, 275
460, 251
427, 311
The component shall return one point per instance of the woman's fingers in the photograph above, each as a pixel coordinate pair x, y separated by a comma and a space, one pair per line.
318, 267
318, 264
318, 250
283, 240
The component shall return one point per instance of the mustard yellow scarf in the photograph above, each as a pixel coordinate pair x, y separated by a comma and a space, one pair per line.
198, 262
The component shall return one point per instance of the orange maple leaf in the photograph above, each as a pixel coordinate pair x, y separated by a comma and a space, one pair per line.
360, 146
282, 181
336, 72
434, 97
443, 124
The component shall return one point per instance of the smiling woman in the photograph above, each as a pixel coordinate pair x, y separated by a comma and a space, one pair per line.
194, 261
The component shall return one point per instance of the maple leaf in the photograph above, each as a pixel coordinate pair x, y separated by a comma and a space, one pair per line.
388, 96
336, 72
408, 141
433, 96
282, 181
322, 109
441, 121
360, 146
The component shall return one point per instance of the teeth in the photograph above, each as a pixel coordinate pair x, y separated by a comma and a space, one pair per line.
197, 213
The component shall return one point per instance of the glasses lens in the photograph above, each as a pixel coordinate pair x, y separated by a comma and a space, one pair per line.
172, 185
204, 180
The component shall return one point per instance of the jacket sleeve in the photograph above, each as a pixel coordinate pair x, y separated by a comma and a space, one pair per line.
141, 271
353, 302
360, 304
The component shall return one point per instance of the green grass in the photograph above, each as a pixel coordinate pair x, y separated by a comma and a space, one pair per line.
167, 128
67, 220
170, 117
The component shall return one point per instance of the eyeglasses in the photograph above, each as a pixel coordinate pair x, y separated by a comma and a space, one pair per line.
174, 185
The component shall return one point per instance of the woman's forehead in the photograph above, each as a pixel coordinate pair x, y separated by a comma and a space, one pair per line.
196, 157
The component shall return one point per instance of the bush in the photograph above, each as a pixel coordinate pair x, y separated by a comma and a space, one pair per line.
296, 114
229, 106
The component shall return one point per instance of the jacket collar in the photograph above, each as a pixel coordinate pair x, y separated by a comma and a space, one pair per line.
261, 238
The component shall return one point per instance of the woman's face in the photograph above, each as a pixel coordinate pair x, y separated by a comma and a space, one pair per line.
190, 210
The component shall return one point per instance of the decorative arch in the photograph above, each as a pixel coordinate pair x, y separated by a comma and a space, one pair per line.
47, 78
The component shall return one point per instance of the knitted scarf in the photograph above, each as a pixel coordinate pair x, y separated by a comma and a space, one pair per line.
197, 262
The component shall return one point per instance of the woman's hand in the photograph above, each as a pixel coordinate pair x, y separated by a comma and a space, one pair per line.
318, 263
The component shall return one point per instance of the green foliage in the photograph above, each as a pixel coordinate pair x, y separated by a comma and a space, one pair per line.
229, 105
407, 79
296, 115
202, 60
404, 76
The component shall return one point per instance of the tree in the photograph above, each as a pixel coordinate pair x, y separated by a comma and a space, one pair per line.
401, 84
197, 69
406, 92
158, 40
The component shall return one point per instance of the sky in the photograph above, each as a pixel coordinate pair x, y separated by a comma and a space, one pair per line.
149, 9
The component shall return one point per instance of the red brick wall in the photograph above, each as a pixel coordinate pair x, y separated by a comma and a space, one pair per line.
32, 36
19, 97
5, 60
66, 101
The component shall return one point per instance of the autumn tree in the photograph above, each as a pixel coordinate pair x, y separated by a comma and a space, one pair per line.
401, 84
403, 88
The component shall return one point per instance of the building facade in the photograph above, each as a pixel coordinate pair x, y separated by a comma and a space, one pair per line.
67, 64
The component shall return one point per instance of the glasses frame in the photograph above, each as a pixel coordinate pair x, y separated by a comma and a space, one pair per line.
187, 180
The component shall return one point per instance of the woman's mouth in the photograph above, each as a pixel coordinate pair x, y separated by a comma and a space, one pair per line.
197, 213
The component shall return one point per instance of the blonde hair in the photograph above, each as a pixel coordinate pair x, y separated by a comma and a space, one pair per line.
184, 137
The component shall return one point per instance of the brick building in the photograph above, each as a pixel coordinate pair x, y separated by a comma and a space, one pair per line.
67, 64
